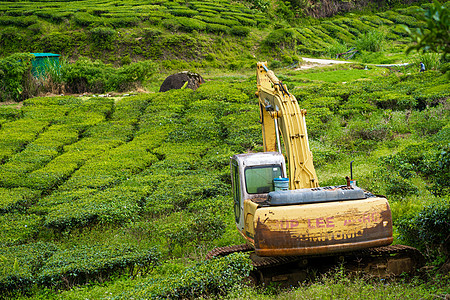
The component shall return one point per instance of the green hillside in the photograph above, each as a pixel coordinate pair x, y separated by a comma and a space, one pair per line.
181, 34
97, 187
121, 197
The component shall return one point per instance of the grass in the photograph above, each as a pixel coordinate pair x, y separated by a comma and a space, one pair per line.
343, 76
343, 288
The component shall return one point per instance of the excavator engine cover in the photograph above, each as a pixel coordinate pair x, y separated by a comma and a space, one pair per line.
312, 195
320, 228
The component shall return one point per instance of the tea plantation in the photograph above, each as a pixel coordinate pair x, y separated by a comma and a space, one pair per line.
121, 197
96, 187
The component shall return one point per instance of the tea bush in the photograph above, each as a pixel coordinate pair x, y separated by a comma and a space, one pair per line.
102, 36
189, 24
17, 199
281, 38
393, 100
17, 134
184, 12
429, 121
242, 130
85, 263
240, 31
439, 170
9, 113
115, 205
428, 229
203, 227
20, 264
16, 228
214, 277
178, 192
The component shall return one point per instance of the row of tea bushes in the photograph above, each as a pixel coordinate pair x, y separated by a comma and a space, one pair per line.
50, 265
126, 15
423, 95
14, 136
18, 227
16, 199
322, 37
36, 155
214, 277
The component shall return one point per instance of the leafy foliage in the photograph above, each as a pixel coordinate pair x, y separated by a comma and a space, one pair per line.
437, 37
84, 263
428, 229
15, 74
217, 276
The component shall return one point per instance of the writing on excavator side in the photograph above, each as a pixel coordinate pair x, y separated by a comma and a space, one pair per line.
330, 222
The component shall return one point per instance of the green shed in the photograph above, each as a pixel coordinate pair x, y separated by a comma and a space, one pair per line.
44, 61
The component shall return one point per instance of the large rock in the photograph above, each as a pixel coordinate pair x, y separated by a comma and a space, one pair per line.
178, 80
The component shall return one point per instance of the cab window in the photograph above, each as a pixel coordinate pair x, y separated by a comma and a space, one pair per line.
259, 180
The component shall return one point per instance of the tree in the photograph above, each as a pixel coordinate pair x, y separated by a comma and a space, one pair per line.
436, 36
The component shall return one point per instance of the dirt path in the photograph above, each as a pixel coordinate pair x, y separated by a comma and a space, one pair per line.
318, 62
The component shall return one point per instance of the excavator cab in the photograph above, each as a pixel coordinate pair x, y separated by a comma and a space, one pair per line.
252, 176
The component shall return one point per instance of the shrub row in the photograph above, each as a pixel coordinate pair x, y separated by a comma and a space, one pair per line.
95, 76
36, 155
177, 192
213, 277
45, 264
428, 229
17, 199
20, 264
86, 263
16, 227
14, 136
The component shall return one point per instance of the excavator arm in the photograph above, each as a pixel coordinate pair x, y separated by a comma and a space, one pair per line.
279, 112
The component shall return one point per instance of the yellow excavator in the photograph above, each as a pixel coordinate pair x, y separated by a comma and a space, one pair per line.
290, 224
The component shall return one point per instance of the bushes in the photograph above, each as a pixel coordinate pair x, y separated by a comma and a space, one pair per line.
212, 277
428, 159
17, 199
16, 228
86, 75
15, 77
45, 264
203, 227
133, 75
85, 263
372, 41
94, 76
240, 31
177, 192
102, 36
189, 25
281, 37
20, 264
428, 229
16, 135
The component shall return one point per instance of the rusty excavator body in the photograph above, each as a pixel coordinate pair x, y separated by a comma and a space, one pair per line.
290, 224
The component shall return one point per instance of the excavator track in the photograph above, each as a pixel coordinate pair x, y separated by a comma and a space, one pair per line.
383, 262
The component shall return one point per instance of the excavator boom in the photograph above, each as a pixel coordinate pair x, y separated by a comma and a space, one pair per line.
279, 111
